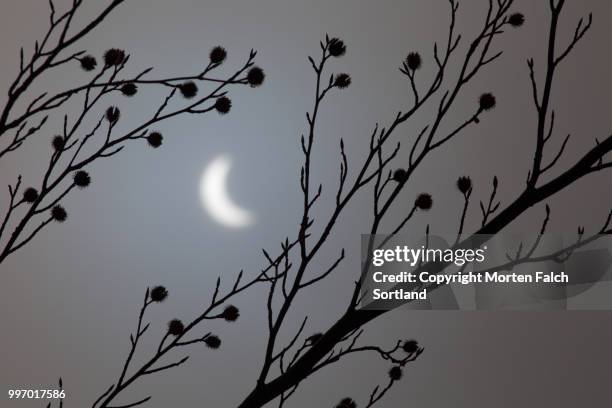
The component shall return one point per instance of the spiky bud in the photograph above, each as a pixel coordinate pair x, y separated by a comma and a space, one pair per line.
255, 77
30, 195
400, 175
58, 143
336, 47
81, 179
223, 105
88, 63
395, 373
410, 346
213, 341
342, 80
114, 57
516, 20
155, 139
113, 114
217, 55
158, 294
129, 89
487, 101
59, 214
231, 313
175, 327
188, 89
414, 61
464, 184
423, 201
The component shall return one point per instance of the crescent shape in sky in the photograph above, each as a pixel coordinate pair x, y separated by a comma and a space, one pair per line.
215, 197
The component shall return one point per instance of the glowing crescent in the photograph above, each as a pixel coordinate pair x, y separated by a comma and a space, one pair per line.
215, 197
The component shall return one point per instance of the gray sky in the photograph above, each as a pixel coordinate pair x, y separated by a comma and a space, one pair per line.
70, 298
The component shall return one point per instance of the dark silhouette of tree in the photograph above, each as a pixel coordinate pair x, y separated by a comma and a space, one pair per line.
24, 118
387, 168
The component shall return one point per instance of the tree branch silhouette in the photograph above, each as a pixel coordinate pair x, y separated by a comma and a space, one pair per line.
389, 168
75, 146
477, 57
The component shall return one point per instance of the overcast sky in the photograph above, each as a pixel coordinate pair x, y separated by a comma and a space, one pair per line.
70, 298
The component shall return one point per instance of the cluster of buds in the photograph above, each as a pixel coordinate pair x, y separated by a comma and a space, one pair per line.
115, 57
336, 48
177, 328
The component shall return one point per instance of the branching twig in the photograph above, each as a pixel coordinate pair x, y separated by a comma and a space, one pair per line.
74, 148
